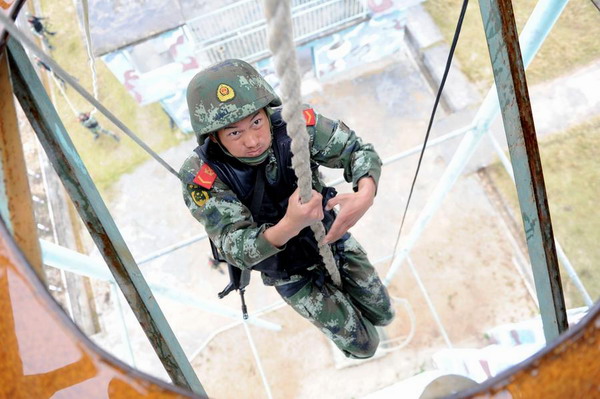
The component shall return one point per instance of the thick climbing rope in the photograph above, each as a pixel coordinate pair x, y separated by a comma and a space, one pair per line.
88, 45
64, 94
16, 34
281, 43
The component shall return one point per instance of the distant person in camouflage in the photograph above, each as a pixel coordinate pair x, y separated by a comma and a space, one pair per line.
91, 124
42, 65
240, 185
39, 29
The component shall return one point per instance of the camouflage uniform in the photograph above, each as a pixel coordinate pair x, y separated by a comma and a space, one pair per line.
40, 30
347, 315
91, 124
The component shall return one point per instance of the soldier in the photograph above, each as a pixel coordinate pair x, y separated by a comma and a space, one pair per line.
39, 29
91, 124
240, 185
42, 65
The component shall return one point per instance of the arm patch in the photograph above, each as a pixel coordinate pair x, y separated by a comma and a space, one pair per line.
205, 177
198, 195
310, 117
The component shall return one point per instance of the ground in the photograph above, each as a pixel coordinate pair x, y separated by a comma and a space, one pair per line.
573, 37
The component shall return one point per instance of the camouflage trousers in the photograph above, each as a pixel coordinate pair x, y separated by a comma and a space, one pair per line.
97, 130
347, 316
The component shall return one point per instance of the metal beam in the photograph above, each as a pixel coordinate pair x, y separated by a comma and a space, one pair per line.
62, 220
511, 84
78, 183
79, 299
15, 196
538, 26
77, 263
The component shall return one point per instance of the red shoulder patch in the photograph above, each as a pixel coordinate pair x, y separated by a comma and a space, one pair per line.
205, 177
310, 117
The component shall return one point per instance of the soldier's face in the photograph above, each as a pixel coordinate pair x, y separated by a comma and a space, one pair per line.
249, 137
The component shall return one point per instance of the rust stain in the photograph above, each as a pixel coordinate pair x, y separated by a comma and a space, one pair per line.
528, 160
42, 351
12, 160
570, 368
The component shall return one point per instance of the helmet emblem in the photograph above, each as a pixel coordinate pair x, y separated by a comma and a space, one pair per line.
225, 92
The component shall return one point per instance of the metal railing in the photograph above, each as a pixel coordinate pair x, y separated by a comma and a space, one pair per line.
240, 29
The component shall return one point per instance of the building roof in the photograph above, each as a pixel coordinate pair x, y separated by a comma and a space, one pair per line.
118, 23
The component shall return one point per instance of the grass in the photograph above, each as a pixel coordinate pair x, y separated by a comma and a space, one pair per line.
570, 159
572, 43
105, 159
571, 164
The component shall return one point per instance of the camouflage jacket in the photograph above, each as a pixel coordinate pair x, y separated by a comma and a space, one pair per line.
229, 223
90, 123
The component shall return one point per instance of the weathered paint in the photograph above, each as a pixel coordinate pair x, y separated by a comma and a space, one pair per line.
6, 114
511, 84
95, 215
57, 360
567, 368
15, 197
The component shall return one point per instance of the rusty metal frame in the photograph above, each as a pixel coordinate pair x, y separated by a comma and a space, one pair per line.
78, 183
11, 9
566, 368
511, 85
16, 207
71, 364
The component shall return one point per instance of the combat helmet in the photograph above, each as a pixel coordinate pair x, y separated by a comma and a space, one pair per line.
226, 93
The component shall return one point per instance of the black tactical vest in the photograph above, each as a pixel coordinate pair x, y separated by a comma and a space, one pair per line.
301, 251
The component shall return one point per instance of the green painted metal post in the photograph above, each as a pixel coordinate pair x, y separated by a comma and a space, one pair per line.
78, 183
505, 53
